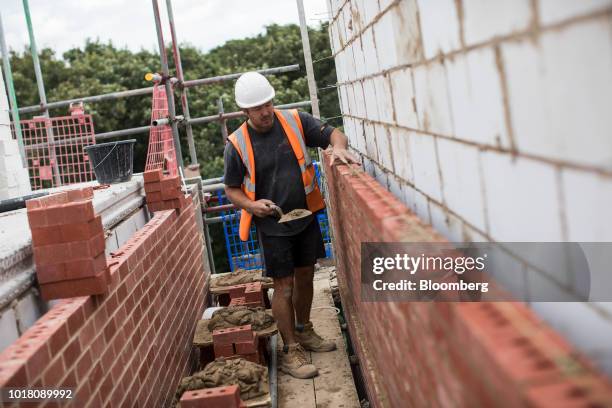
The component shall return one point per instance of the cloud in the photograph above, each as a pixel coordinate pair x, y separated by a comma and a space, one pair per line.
63, 24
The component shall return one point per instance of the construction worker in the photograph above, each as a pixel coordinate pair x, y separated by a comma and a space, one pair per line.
267, 165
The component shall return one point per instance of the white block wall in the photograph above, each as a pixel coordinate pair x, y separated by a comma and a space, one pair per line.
14, 179
492, 121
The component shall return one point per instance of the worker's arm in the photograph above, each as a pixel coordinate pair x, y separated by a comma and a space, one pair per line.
260, 208
339, 143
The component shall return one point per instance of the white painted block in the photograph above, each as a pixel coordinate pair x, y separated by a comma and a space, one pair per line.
385, 41
395, 187
8, 328
421, 207
484, 20
439, 26
4, 116
357, 10
432, 99
522, 199
370, 10
371, 104
381, 176
578, 322
343, 99
342, 38
359, 136
409, 197
350, 63
403, 98
28, 310
360, 100
406, 32
347, 23
111, 243
382, 144
400, 147
350, 99
384, 98
553, 11
463, 188
371, 149
561, 93
508, 271
4, 104
445, 223
425, 165
360, 68
8, 147
474, 87
588, 200
369, 51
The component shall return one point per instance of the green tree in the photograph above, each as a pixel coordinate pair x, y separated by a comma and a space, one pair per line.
99, 68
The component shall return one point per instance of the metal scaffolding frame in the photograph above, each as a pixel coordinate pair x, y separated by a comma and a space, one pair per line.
170, 84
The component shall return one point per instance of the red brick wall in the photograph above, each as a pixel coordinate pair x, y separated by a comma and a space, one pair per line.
444, 354
132, 345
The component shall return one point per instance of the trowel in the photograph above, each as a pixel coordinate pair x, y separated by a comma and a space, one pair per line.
291, 215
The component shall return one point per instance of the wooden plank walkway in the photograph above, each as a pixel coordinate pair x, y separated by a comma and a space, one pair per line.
334, 386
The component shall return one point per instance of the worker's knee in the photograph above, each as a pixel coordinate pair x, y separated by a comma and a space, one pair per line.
284, 286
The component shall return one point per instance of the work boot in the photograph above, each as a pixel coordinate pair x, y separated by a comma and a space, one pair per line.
311, 341
295, 363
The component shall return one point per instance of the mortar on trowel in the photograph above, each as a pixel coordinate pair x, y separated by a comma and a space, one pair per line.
291, 215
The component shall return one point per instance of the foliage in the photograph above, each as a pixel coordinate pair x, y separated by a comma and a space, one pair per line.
99, 68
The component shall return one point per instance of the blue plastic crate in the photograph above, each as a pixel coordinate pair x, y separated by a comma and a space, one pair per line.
245, 255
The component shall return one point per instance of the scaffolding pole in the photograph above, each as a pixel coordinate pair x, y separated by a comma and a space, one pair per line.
222, 120
149, 90
12, 98
169, 91
179, 75
41, 90
312, 83
193, 121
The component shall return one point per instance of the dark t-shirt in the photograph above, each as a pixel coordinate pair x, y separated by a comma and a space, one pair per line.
277, 173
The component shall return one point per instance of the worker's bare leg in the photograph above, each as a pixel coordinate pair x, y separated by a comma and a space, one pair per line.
302, 294
282, 308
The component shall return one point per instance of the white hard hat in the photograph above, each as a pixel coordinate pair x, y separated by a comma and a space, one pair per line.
252, 89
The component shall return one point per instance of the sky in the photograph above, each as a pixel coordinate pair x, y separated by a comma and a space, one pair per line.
64, 24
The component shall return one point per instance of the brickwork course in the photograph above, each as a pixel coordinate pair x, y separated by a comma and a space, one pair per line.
490, 122
128, 342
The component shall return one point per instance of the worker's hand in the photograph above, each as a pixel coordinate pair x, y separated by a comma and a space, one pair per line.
341, 155
262, 208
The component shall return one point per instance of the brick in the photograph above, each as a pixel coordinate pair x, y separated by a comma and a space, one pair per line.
237, 290
152, 187
247, 347
152, 175
76, 287
80, 194
81, 231
170, 193
220, 397
233, 334
237, 301
223, 350
253, 293
72, 251
154, 197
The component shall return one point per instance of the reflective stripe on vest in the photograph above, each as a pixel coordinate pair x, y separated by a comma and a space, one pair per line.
292, 126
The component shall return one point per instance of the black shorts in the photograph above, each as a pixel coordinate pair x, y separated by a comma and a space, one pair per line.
282, 254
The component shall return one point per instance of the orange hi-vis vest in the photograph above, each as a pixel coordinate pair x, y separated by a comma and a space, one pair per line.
290, 121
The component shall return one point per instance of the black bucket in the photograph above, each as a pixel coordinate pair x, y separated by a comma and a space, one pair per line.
112, 162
